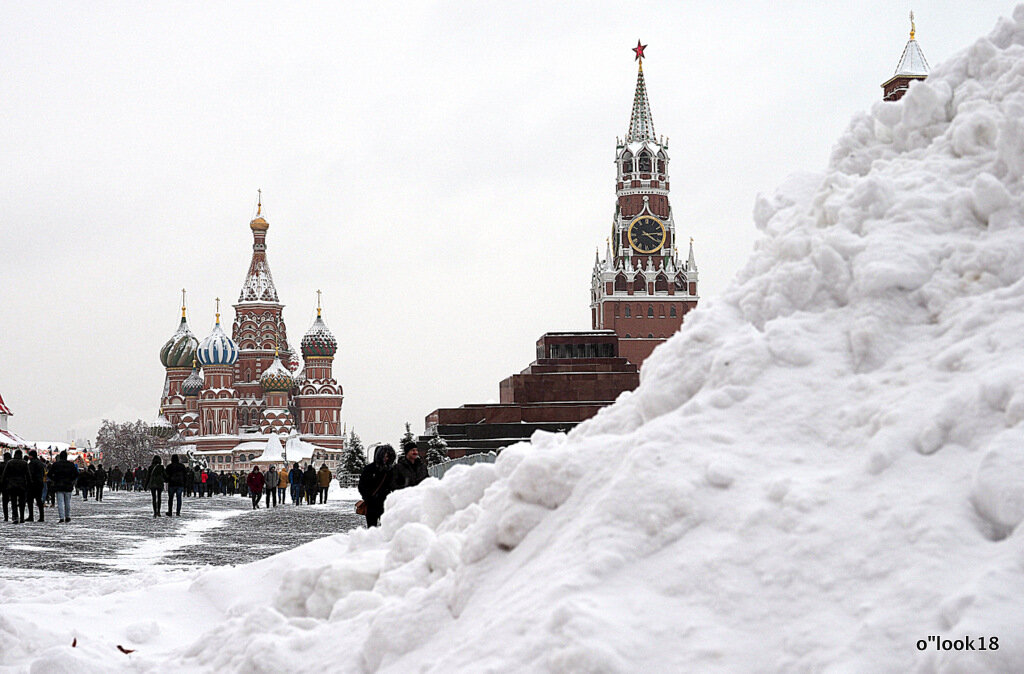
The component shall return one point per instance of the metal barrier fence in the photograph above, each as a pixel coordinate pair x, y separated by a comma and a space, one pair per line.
439, 469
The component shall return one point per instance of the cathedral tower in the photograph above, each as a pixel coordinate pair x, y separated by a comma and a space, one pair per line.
259, 329
641, 289
320, 395
176, 356
912, 66
218, 401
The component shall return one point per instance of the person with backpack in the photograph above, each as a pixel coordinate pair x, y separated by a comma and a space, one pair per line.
375, 483
63, 474
155, 477
176, 474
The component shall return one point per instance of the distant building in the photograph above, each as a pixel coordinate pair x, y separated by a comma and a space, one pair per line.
640, 293
912, 66
224, 397
8, 438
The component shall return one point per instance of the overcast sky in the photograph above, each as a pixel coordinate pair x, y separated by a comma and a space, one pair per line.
442, 171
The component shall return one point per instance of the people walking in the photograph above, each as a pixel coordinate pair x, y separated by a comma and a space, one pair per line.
36, 482
410, 470
375, 483
155, 477
3, 492
63, 474
84, 483
255, 483
115, 478
176, 474
310, 484
15, 482
323, 480
270, 481
295, 478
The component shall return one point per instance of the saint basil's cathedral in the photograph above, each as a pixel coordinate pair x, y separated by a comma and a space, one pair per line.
224, 396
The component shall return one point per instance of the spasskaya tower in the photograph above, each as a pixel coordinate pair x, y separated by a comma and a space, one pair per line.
641, 289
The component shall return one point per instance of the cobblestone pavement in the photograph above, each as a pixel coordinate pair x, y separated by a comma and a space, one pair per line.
120, 534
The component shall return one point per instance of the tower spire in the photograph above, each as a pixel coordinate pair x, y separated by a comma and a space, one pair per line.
912, 66
259, 200
182, 304
318, 304
641, 123
912, 30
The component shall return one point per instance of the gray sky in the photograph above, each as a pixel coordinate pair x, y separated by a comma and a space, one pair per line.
442, 171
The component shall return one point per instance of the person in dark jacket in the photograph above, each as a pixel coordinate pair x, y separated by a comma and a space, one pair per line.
129, 479
15, 481
176, 476
375, 483
36, 482
100, 481
295, 479
84, 483
310, 484
63, 474
3, 493
410, 470
254, 481
155, 477
114, 479
270, 481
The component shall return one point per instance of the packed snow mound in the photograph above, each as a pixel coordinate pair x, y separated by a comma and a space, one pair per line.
823, 468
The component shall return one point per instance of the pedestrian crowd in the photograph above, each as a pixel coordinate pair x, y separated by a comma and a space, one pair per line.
27, 481
384, 475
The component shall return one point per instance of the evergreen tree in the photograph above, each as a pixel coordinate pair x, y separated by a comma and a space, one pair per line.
407, 437
437, 450
354, 459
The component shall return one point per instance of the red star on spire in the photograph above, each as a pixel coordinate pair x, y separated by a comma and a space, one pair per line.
639, 49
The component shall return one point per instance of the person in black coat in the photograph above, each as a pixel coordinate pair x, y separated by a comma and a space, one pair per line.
15, 482
84, 483
99, 481
375, 483
310, 485
3, 493
176, 475
410, 470
155, 483
63, 474
36, 480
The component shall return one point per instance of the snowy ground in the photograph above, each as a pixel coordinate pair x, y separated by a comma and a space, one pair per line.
120, 534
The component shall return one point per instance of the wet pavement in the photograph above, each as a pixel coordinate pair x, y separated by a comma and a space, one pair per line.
120, 534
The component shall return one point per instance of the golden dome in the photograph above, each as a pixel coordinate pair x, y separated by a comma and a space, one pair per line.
258, 224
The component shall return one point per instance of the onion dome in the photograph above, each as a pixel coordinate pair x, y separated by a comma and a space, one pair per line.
258, 224
180, 349
217, 348
318, 342
276, 377
161, 428
193, 384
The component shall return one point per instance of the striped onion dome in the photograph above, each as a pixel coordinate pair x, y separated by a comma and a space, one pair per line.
276, 377
193, 384
161, 428
217, 348
318, 340
180, 349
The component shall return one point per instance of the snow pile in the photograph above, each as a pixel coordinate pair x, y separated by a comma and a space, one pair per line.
822, 468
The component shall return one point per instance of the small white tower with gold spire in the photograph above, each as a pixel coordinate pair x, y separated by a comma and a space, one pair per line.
912, 66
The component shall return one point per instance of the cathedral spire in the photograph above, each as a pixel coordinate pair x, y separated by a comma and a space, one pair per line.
259, 284
912, 66
641, 124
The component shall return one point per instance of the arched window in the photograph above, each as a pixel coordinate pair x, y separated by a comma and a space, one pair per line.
616, 311
661, 311
627, 162
644, 162
661, 162
248, 374
650, 335
639, 284
628, 314
680, 284
627, 335
620, 283
661, 284
650, 311
672, 311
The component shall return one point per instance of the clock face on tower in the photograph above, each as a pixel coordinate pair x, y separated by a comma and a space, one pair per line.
646, 234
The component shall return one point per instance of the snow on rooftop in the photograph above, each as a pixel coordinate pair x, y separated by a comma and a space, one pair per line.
820, 469
912, 62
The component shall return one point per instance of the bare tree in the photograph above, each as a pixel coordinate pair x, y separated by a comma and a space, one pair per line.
126, 445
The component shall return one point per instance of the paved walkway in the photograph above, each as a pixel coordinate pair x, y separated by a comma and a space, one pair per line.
121, 534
